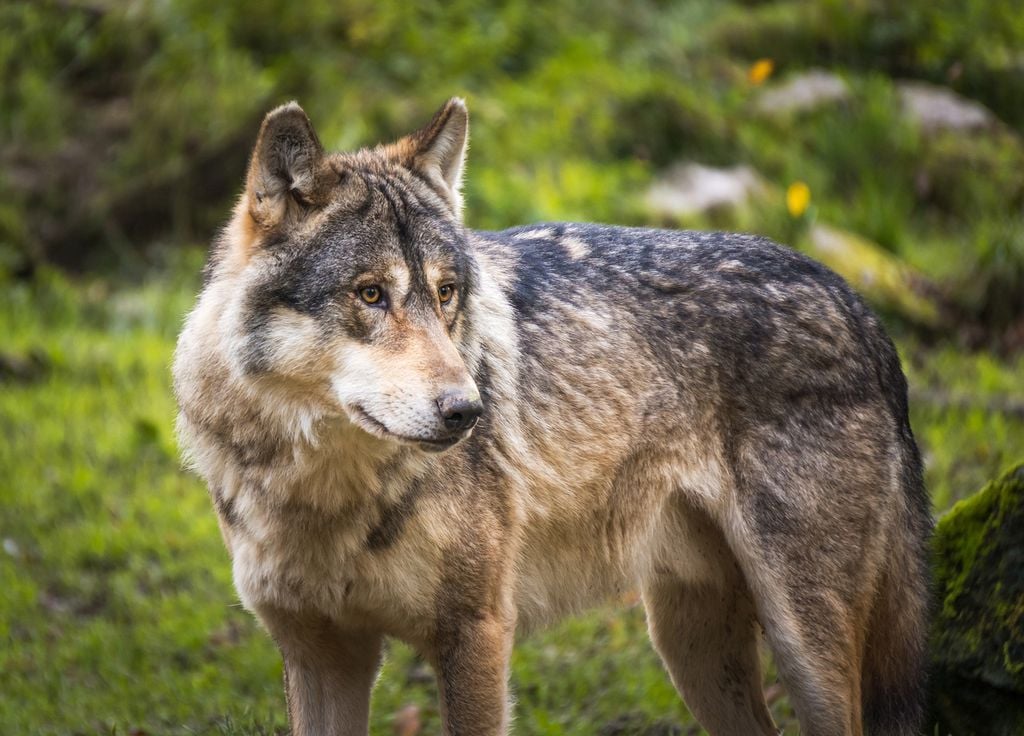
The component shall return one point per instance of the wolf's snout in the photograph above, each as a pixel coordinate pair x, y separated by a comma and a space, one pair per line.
458, 411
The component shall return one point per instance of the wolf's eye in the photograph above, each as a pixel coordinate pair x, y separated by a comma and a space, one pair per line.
445, 292
370, 294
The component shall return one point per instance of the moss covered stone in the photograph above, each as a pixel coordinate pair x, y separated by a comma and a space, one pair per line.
978, 631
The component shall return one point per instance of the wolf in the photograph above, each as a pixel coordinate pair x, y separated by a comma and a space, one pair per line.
412, 429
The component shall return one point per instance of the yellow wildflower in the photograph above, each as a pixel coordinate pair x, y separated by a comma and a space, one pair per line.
760, 71
798, 197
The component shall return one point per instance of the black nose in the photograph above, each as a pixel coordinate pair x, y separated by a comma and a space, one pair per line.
458, 412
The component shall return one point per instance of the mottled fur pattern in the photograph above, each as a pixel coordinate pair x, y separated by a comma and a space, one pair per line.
712, 419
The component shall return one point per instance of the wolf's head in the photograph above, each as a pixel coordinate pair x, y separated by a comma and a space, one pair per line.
353, 278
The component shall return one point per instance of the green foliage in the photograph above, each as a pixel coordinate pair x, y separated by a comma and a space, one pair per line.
838, 151
968, 416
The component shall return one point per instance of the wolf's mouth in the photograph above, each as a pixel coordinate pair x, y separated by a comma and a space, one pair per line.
438, 445
366, 421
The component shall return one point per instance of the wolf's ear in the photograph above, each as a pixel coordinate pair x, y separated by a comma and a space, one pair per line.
284, 171
438, 150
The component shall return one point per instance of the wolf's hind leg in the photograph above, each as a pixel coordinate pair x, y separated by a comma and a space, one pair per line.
818, 653
707, 637
811, 546
703, 623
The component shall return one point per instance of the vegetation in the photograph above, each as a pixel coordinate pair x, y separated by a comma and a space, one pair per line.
124, 131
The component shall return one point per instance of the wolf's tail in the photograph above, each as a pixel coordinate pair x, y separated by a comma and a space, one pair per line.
894, 676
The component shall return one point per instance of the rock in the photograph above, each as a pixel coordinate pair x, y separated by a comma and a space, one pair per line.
688, 189
977, 683
936, 108
877, 274
803, 93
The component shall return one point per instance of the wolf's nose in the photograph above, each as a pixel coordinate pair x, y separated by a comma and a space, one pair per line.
458, 412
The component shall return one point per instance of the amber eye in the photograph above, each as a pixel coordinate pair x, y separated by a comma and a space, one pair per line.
445, 293
370, 294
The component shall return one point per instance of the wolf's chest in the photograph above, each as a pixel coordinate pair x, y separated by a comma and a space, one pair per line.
335, 567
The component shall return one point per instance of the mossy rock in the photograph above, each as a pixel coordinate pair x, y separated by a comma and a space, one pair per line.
978, 632
881, 277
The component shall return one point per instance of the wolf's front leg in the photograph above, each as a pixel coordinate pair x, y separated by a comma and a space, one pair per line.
328, 672
472, 658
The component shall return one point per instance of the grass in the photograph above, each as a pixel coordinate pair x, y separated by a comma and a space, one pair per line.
118, 615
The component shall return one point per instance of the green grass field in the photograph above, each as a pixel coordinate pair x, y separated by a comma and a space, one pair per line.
118, 614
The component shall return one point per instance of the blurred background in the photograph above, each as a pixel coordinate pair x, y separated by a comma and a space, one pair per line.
881, 137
